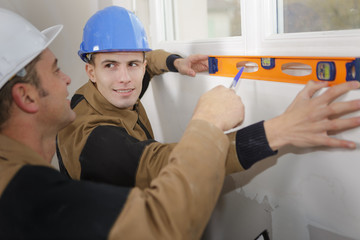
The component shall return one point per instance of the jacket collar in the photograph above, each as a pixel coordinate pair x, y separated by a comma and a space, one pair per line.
105, 108
14, 151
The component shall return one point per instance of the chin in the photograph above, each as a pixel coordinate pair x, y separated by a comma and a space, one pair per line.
125, 105
71, 116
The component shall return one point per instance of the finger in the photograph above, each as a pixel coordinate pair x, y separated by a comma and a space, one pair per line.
191, 72
311, 88
198, 57
335, 110
200, 67
199, 64
306, 93
340, 125
333, 142
338, 109
336, 91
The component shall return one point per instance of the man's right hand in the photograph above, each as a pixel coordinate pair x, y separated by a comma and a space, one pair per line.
309, 120
221, 107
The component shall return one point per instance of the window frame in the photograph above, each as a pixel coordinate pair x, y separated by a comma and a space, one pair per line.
321, 43
260, 37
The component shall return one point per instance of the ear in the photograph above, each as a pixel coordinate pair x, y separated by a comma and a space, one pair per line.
90, 70
26, 97
145, 64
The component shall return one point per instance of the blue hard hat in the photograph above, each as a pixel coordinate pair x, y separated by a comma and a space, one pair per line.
113, 29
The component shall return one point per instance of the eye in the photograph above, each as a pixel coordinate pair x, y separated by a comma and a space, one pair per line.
133, 64
57, 71
109, 65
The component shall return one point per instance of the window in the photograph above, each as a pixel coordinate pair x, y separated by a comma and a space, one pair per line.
188, 20
224, 18
258, 27
320, 15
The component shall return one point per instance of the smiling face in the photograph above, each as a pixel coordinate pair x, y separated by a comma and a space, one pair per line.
118, 76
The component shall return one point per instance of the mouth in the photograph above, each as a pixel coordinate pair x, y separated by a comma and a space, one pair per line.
128, 90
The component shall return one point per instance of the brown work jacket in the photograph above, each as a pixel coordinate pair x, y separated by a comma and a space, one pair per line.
37, 202
127, 155
107, 144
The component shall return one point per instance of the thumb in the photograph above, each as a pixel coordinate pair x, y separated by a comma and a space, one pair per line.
191, 72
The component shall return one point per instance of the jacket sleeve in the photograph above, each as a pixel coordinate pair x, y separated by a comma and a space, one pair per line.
160, 61
130, 162
179, 202
248, 146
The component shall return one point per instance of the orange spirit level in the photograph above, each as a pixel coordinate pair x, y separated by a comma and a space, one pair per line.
299, 70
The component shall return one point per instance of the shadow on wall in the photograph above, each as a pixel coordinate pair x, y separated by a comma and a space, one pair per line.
241, 179
230, 223
237, 216
318, 234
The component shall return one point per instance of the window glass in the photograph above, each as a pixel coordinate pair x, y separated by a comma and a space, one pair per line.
201, 19
223, 18
317, 15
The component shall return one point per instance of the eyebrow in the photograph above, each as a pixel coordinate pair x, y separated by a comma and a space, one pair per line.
108, 61
114, 61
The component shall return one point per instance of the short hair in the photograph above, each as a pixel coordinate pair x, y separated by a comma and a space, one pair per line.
6, 99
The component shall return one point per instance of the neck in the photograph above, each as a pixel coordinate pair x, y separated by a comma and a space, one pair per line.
40, 142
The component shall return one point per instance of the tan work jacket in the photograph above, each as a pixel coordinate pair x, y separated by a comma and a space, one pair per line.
94, 111
37, 202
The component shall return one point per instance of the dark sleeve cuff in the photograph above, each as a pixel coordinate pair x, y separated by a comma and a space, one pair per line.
170, 62
252, 145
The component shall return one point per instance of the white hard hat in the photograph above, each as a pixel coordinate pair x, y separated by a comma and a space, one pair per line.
20, 42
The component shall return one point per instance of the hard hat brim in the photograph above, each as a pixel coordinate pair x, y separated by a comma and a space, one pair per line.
50, 34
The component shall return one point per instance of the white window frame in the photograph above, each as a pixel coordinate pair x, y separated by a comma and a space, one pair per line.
322, 43
159, 33
259, 36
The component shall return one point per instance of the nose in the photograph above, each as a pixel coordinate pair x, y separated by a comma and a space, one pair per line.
123, 75
66, 78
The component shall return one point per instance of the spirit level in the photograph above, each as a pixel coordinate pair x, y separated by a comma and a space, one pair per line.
299, 70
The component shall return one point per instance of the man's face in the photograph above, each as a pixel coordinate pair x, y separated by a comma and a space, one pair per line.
54, 105
118, 76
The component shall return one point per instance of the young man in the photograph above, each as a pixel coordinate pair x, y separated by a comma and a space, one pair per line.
111, 140
38, 202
